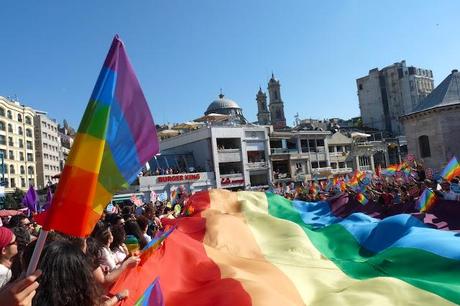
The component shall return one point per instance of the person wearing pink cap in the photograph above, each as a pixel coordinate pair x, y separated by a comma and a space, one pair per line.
8, 249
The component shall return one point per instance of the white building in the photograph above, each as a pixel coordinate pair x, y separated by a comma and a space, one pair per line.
386, 95
299, 155
16, 145
237, 155
47, 144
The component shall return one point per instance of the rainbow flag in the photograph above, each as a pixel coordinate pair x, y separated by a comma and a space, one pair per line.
452, 169
152, 296
426, 200
391, 170
153, 245
299, 253
361, 199
116, 137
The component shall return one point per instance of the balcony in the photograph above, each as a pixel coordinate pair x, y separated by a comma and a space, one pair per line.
257, 165
283, 151
342, 170
229, 155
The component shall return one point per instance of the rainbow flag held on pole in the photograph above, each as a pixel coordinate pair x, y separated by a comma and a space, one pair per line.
426, 200
116, 137
253, 248
451, 170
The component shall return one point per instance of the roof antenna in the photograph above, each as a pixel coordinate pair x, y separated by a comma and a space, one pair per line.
221, 95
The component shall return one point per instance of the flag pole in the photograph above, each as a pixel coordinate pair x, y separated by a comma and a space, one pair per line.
37, 252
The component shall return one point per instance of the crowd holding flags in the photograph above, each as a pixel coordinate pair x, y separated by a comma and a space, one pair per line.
117, 137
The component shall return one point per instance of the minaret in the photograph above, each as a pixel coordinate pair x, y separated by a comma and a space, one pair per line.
263, 115
276, 104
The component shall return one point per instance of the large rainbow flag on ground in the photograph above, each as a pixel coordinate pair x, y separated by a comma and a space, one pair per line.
252, 248
116, 137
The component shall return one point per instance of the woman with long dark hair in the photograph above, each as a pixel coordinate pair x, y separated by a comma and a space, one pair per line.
67, 278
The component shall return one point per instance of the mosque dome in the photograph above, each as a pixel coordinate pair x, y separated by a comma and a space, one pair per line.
223, 106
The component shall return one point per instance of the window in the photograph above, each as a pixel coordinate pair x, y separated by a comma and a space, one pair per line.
47, 167
29, 145
2, 140
360, 86
341, 165
31, 181
322, 164
2, 112
30, 170
9, 115
331, 149
28, 132
320, 142
12, 183
21, 156
11, 169
45, 135
10, 128
11, 155
334, 165
21, 143
19, 118
30, 157
20, 132
2, 125
10, 141
424, 146
22, 170
28, 120
3, 153
23, 182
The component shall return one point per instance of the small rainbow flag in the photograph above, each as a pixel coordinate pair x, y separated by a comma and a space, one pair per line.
153, 245
391, 170
362, 199
452, 169
426, 200
152, 295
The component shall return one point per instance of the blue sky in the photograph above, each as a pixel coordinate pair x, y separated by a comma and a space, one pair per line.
185, 51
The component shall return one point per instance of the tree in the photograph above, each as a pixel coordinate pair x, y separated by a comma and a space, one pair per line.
14, 200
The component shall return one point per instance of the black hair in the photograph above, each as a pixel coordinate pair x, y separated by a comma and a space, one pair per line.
101, 232
119, 236
143, 222
67, 277
22, 240
16, 220
93, 252
132, 228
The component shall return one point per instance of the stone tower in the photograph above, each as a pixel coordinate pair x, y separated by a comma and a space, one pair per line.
263, 115
276, 104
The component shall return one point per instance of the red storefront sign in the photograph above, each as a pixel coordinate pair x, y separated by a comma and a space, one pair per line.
230, 181
178, 178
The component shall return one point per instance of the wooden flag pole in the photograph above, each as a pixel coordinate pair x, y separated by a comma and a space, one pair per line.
37, 252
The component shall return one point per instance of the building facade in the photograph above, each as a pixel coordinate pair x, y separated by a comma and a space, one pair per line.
237, 155
17, 145
299, 155
386, 95
48, 148
431, 129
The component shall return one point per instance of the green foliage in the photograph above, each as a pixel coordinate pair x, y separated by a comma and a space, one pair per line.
14, 200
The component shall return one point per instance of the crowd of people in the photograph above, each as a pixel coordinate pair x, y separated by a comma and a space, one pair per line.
386, 189
88, 267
